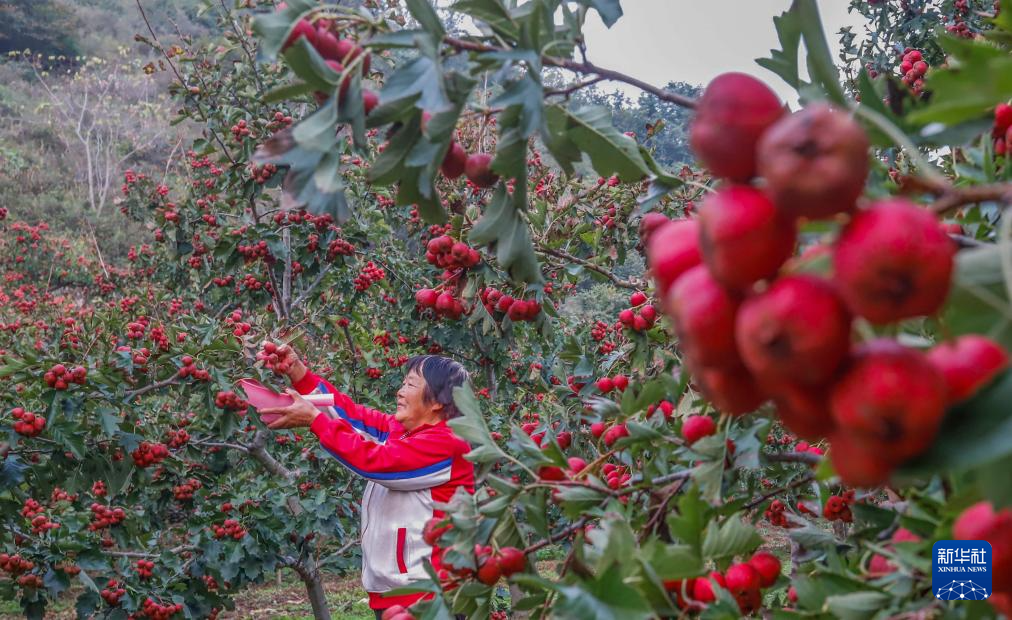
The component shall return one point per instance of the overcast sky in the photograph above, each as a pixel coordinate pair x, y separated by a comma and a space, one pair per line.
694, 40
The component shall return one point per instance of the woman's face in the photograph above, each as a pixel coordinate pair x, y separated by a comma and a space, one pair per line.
412, 409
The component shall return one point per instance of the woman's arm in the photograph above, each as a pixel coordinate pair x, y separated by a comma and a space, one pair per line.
376, 423
421, 462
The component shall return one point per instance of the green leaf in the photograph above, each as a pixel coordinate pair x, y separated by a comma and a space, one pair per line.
784, 62
605, 598
979, 301
611, 151
109, 418
388, 167
394, 40
493, 13
12, 472
471, 426
812, 537
556, 138
732, 538
857, 605
422, 78
609, 10
425, 14
709, 476
502, 228
273, 28
318, 132
674, 561
308, 65
691, 518
821, 65
527, 95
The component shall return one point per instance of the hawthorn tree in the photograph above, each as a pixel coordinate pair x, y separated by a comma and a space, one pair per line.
369, 185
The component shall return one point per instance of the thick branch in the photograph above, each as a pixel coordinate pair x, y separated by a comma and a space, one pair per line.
955, 197
762, 498
584, 68
630, 284
312, 286
556, 537
259, 454
152, 386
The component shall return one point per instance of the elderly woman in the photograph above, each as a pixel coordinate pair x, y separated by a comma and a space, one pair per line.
411, 460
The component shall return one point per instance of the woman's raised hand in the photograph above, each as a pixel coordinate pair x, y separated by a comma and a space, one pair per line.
283, 360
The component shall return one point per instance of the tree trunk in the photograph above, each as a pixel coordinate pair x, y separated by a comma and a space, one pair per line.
314, 587
317, 597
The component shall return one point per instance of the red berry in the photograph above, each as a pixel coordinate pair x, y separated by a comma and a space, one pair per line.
695, 427
731, 389
426, 297
605, 385
671, 251
743, 237
733, 113
302, 29
815, 162
489, 572
703, 314
803, 410
768, 567
638, 298
796, 330
454, 162
621, 382
479, 170
982, 522
741, 578
511, 560
1003, 116
968, 363
893, 261
369, 100
891, 400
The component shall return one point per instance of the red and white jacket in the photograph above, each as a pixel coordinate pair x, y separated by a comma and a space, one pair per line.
407, 474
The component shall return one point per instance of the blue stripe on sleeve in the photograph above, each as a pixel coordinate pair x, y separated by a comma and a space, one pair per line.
359, 424
394, 475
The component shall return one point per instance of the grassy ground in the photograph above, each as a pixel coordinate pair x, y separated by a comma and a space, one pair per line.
347, 600
286, 601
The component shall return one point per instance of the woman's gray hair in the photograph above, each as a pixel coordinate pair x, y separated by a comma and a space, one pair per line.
441, 375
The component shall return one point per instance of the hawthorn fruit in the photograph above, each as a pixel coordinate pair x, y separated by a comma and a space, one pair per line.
968, 363
743, 237
731, 116
815, 162
893, 261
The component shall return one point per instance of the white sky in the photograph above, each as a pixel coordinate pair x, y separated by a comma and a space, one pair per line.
694, 40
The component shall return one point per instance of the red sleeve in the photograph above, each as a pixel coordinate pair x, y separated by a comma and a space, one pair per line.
376, 423
421, 461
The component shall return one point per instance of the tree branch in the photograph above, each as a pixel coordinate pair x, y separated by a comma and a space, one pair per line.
582, 67
629, 284
152, 386
762, 498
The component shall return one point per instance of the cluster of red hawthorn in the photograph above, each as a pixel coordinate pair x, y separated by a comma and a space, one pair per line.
27, 423
749, 332
744, 580
641, 316
913, 68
